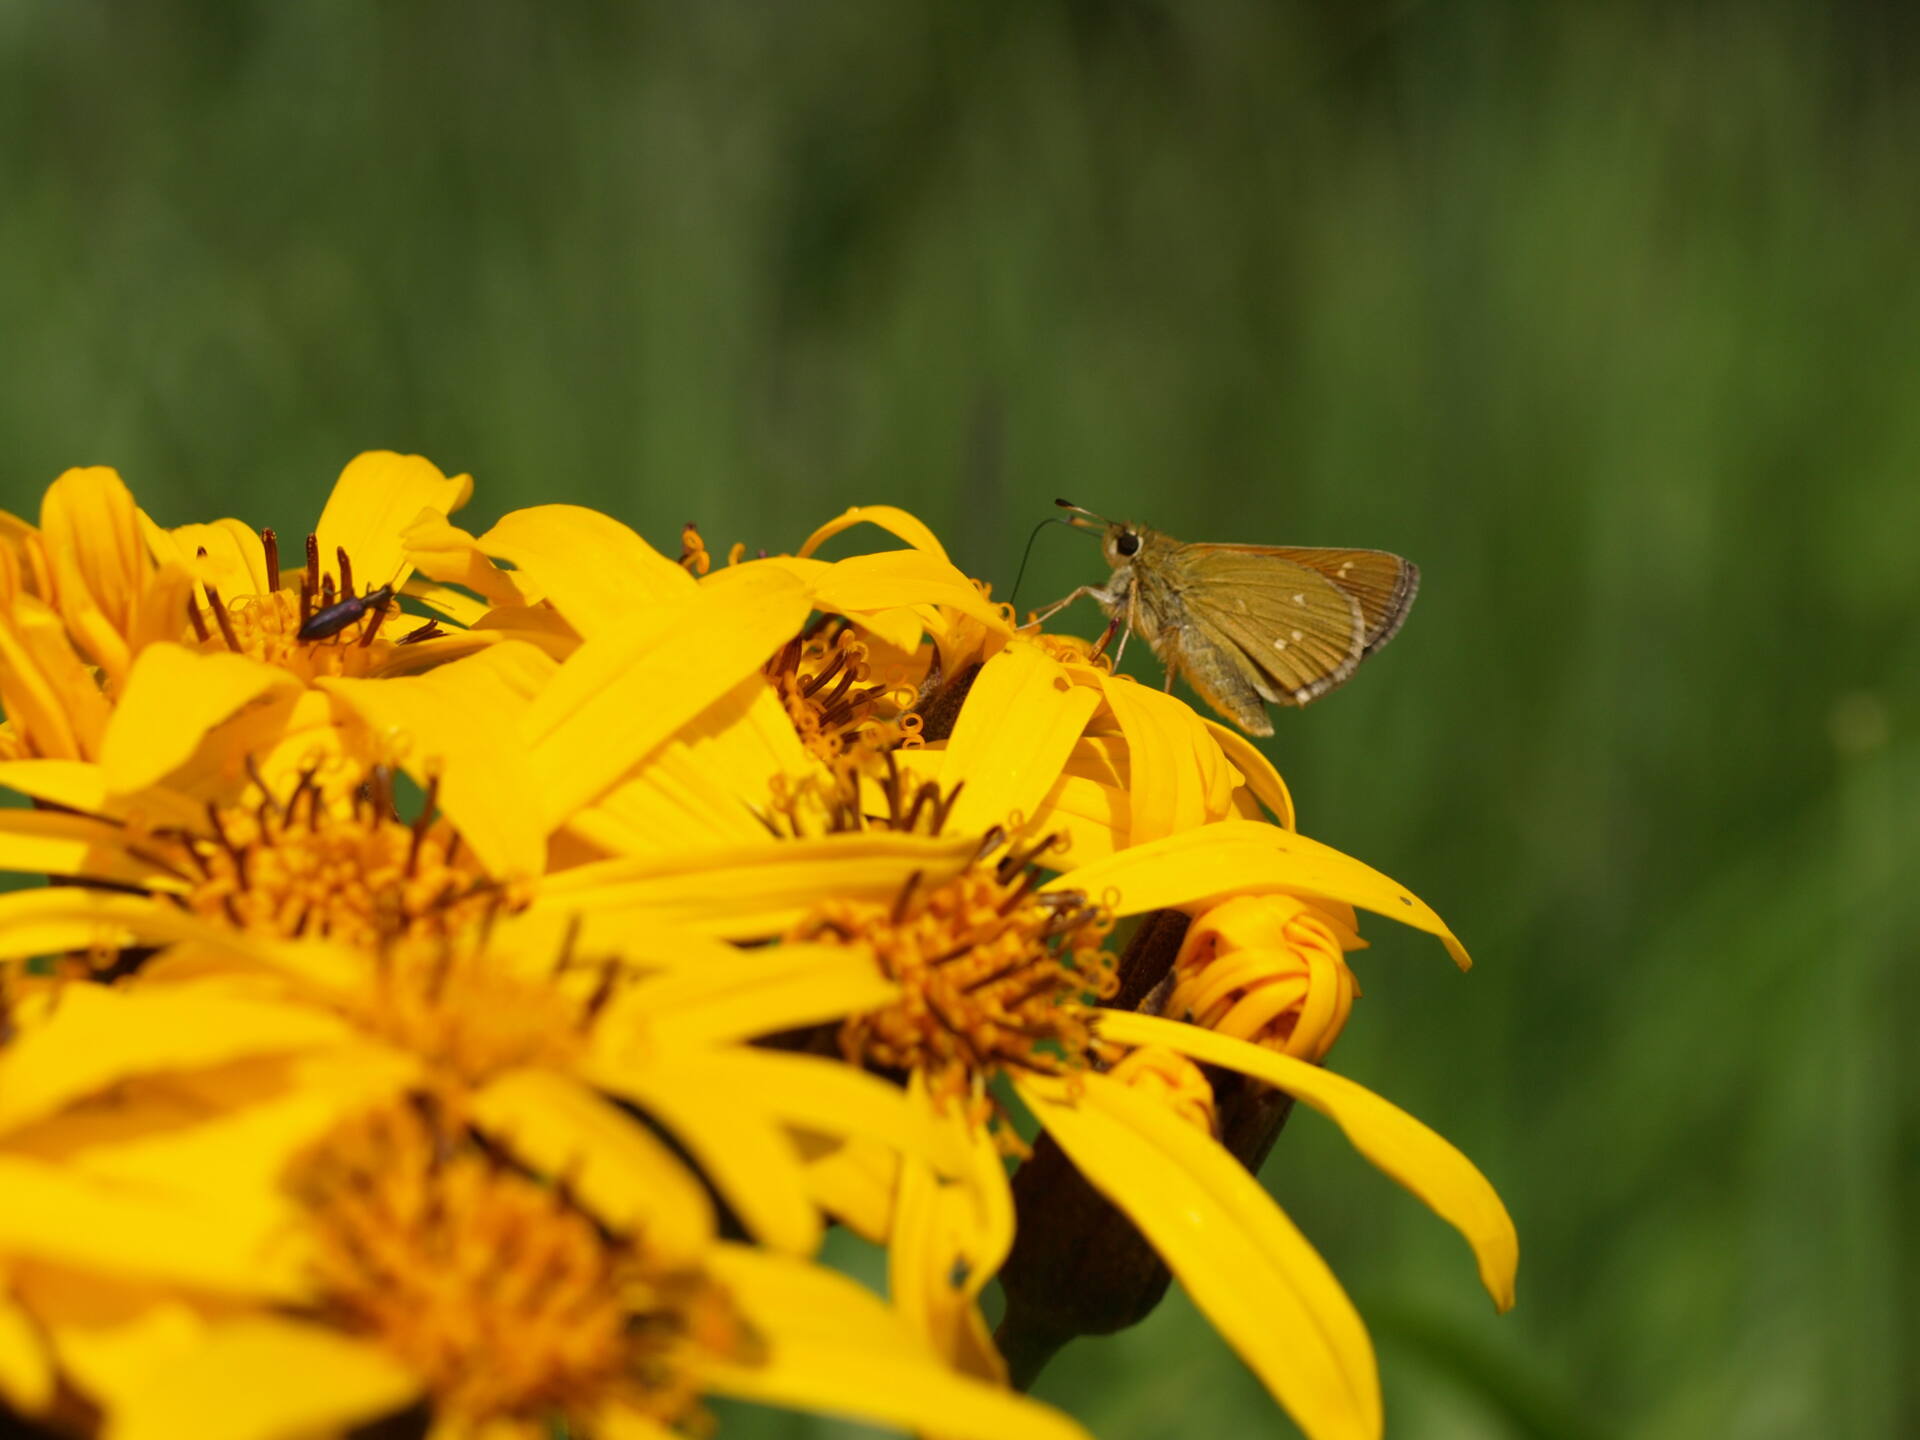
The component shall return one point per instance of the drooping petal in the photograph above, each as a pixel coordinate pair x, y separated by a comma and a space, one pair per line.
1261, 777
1412, 1154
174, 696
832, 1346
856, 1181
888, 517
614, 1165
592, 569
1019, 724
1166, 783
465, 722
949, 1238
263, 1378
1241, 1259
445, 552
637, 681
377, 497
1198, 867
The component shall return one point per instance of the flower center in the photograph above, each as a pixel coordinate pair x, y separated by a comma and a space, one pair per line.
1268, 968
342, 626
493, 1286
320, 862
993, 976
822, 680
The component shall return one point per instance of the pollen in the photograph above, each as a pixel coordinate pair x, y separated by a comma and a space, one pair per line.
842, 716
514, 1306
994, 977
266, 627
330, 861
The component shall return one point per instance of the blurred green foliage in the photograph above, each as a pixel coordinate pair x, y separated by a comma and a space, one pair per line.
1607, 314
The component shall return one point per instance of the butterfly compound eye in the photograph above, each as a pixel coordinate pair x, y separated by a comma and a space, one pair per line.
1128, 543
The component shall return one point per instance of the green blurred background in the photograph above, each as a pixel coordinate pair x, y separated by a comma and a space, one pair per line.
1609, 315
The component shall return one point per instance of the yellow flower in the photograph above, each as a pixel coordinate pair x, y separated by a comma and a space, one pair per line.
303, 1263
200, 627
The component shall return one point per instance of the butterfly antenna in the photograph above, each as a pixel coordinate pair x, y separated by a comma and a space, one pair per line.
1028, 552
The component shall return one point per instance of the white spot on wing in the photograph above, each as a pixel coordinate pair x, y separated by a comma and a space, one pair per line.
1281, 644
1301, 697
1300, 599
1298, 637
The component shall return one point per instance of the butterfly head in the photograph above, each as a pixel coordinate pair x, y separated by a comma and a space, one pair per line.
1120, 542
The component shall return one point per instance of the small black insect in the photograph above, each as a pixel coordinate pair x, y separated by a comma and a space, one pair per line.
342, 613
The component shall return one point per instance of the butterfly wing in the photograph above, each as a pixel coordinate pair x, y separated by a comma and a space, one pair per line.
1383, 583
1261, 627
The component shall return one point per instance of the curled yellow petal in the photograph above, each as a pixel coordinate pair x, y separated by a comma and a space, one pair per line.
99, 559
1241, 1259
377, 497
1262, 779
888, 517
1419, 1159
1201, 866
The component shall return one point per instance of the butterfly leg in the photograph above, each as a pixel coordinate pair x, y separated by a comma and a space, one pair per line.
1042, 616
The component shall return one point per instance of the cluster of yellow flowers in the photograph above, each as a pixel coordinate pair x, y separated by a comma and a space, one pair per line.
476, 969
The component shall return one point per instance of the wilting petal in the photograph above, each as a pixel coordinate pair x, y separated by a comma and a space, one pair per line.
1015, 732
262, 1378
465, 722
173, 697
1241, 1259
613, 1164
377, 497
756, 892
592, 569
97, 1037
629, 688
1412, 1154
833, 1346
888, 517
1194, 869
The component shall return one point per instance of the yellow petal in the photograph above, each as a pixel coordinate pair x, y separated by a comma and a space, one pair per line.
1093, 820
1412, 1154
174, 696
949, 1239
833, 1347
47, 842
1019, 724
56, 1214
749, 1159
888, 517
377, 497
97, 1037
99, 559
67, 917
1199, 867
263, 1378
465, 722
592, 569
74, 784
613, 1163
759, 993
1261, 777
235, 559
752, 892
50, 695
1241, 1259
449, 554
855, 1181
26, 1370
637, 681
1166, 782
